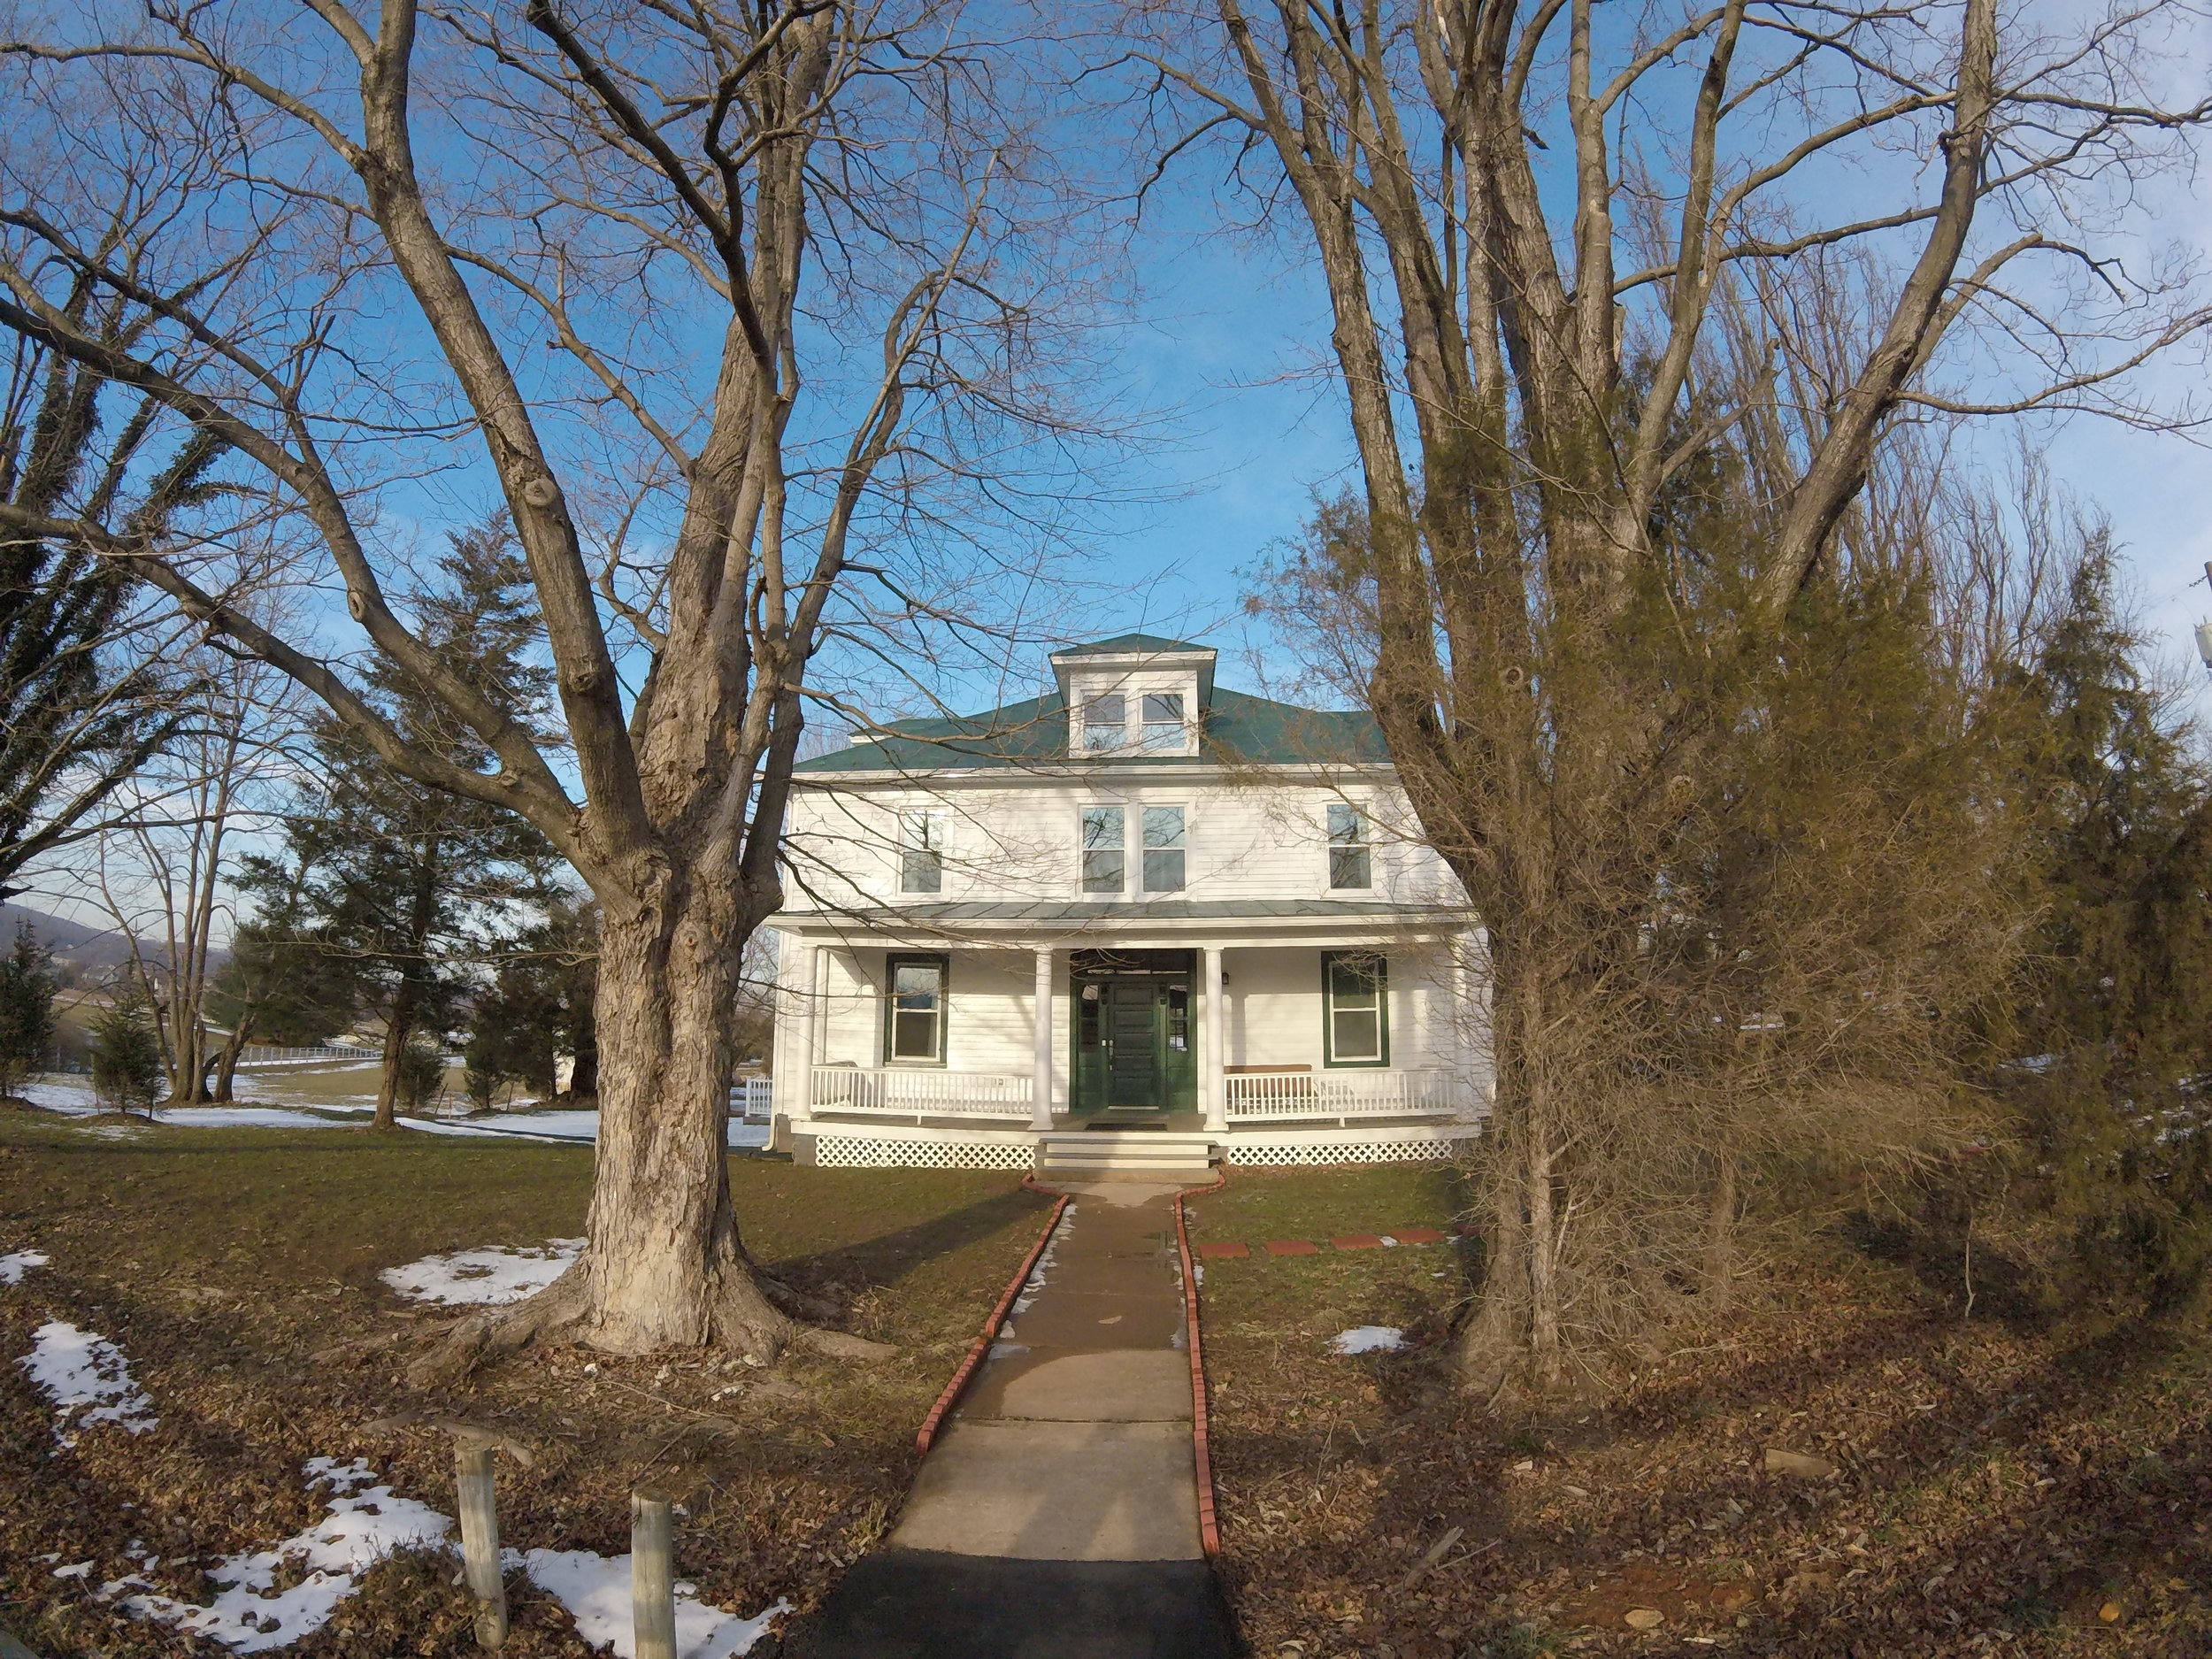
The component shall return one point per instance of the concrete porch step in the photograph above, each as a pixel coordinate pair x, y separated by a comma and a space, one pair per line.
1140, 1153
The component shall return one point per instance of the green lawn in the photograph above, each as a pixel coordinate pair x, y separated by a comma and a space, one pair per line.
226, 1263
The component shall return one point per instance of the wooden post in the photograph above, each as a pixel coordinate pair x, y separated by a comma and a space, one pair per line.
652, 1574
479, 1539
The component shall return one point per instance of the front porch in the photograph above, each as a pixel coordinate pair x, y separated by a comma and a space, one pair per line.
1263, 1052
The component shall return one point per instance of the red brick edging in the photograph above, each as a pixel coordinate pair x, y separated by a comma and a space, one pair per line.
982, 1345
1209, 1527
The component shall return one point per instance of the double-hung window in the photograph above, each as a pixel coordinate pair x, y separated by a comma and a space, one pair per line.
1354, 1007
1350, 864
1164, 849
921, 851
914, 1009
1164, 721
1106, 721
1105, 850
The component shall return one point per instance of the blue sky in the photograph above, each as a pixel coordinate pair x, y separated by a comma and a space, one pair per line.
1229, 339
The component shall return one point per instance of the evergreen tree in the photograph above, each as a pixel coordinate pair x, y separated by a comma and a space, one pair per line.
26, 1008
126, 1051
2118, 1004
81, 707
539, 1008
400, 888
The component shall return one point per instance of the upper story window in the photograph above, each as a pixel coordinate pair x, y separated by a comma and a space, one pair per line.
1164, 849
1105, 849
921, 851
1164, 721
1106, 721
1350, 863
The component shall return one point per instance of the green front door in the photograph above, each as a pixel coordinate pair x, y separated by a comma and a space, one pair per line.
1133, 1043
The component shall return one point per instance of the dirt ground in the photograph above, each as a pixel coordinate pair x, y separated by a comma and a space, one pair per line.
227, 1263
1999, 1488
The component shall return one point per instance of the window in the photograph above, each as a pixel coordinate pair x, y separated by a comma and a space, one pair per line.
1104, 852
1164, 849
1355, 1009
1163, 720
1106, 721
921, 852
914, 1013
1348, 862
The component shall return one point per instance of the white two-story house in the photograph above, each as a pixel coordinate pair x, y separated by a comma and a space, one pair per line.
1144, 922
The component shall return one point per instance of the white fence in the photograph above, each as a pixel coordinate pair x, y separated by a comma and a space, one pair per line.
1288, 1096
921, 1094
265, 1054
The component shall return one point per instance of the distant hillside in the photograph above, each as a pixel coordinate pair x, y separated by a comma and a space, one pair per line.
82, 951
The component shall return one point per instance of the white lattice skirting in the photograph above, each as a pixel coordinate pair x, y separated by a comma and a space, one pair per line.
1428, 1151
871, 1152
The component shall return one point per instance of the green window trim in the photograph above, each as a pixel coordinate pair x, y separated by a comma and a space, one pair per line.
1356, 1007
907, 1017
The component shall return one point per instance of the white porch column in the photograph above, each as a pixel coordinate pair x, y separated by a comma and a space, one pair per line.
815, 1026
1213, 1075
1041, 1081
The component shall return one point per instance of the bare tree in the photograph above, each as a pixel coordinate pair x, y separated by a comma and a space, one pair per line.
1526, 216
744, 313
168, 877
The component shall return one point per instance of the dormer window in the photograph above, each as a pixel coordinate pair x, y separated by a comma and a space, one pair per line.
1164, 721
1106, 721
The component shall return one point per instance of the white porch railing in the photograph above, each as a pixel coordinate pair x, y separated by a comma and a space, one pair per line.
753, 1099
919, 1093
1283, 1096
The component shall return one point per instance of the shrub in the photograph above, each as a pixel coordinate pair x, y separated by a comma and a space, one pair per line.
126, 1052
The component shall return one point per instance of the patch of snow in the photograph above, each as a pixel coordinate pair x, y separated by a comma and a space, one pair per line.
1368, 1338
491, 1276
72, 1097
77, 1369
595, 1590
558, 1125
75, 1570
249, 1615
242, 1118
13, 1267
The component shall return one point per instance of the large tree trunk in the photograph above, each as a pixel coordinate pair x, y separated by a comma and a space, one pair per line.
1720, 1232
226, 1062
665, 1266
399, 1026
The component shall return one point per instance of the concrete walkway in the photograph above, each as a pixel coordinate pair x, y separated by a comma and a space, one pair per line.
1056, 1514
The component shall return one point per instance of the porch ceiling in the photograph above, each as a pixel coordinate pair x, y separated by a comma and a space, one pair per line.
1174, 922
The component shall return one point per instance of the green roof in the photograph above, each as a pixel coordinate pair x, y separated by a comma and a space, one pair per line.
1132, 645
1237, 729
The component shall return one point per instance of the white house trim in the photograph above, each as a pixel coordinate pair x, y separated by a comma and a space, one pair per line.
1199, 1010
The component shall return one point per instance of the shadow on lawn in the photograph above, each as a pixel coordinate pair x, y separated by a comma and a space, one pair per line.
871, 1262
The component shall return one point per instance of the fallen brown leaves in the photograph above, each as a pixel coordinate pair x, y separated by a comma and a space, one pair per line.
1995, 1490
785, 1475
